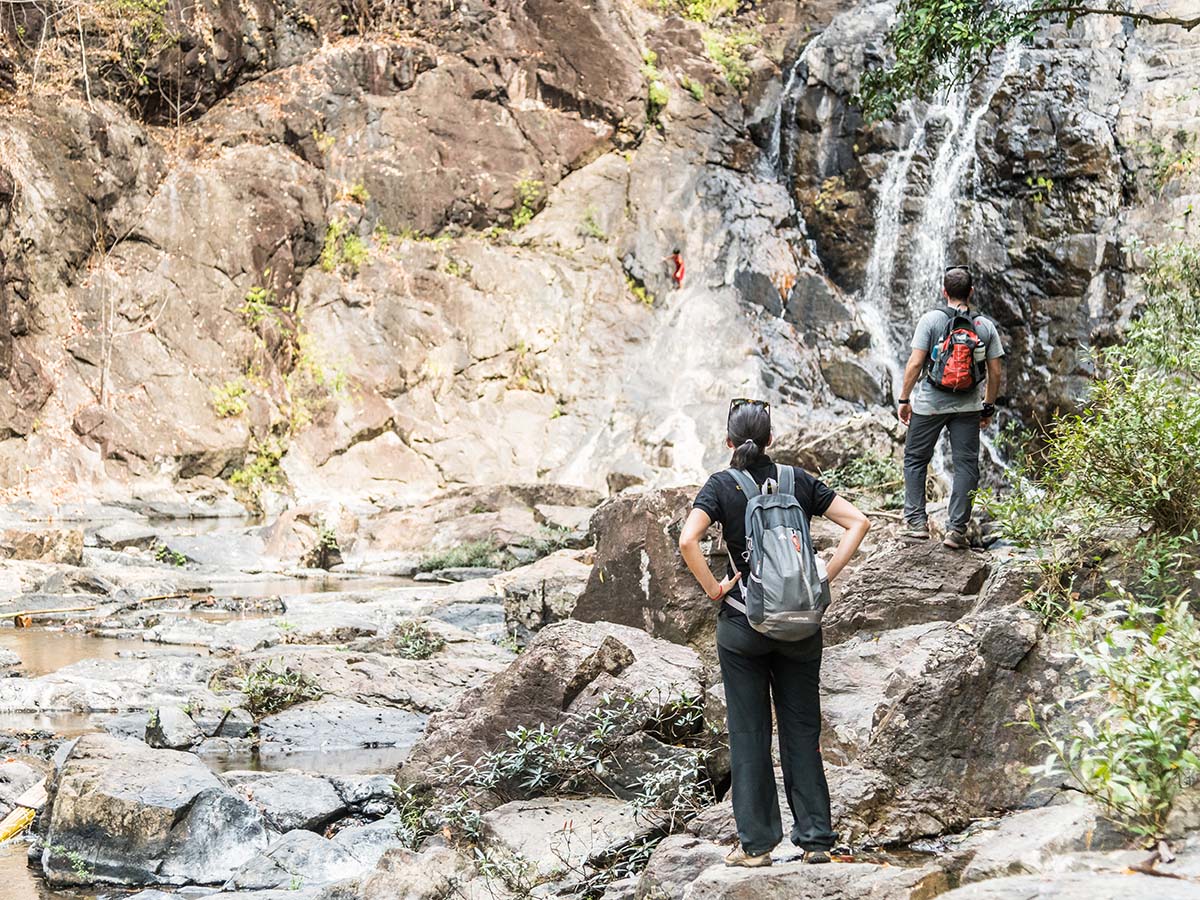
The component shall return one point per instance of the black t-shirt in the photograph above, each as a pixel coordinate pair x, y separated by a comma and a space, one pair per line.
725, 504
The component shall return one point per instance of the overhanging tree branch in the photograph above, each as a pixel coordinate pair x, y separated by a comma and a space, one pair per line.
1148, 18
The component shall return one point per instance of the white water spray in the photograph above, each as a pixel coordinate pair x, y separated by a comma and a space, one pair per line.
785, 110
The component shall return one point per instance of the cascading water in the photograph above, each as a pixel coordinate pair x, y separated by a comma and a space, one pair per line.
777, 151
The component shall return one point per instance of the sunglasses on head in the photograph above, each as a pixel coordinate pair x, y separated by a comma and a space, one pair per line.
952, 268
737, 404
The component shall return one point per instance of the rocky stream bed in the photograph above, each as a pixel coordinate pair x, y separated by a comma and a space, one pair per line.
170, 772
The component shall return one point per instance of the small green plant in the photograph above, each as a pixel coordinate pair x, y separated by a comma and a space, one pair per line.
229, 400
261, 468
589, 227
296, 883
456, 268
869, 475
1135, 755
657, 94
693, 87
323, 141
164, 554
415, 641
639, 291
342, 248
271, 686
80, 867
1040, 187
729, 52
356, 193
704, 11
1169, 163
529, 192
471, 555
259, 303
383, 238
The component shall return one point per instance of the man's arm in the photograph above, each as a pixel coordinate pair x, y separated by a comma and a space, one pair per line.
912, 372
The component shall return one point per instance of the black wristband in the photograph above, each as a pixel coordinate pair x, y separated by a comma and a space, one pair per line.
989, 410
903, 402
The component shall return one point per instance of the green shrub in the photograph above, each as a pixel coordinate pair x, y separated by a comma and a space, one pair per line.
590, 227
1135, 756
260, 469
695, 88
164, 554
229, 400
342, 248
414, 641
639, 291
471, 555
729, 52
657, 94
529, 192
869, 475
271, 686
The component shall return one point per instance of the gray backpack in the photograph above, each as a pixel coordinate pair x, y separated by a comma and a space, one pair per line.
788, 589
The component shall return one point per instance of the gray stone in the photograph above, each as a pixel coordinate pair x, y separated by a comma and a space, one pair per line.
170, 728
289, 800
141, 816
331, 724
543, 592
1077, 886
237, 723
125, 535
851, 881
297, 859
464, 573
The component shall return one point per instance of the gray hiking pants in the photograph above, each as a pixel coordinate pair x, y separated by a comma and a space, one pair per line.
756, 669
919, 444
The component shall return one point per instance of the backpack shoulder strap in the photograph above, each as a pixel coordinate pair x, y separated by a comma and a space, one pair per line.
748, 485
786, 477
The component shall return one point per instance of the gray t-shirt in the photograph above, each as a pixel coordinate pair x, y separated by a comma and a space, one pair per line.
928, 400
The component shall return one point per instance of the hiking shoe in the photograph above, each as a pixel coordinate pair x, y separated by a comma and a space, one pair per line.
956, 540
739, 857
816, 857
916, 532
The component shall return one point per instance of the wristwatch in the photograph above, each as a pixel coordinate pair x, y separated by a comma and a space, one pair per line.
989, 410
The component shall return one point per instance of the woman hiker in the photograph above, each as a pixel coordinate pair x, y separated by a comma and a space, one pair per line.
757, 669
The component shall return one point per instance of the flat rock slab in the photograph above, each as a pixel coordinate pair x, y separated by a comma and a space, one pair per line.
561, 835
338, 725
114, 685
1078, 886
849, 881
123, 535
289, 800
295, 860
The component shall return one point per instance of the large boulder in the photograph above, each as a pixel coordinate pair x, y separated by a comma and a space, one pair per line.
570, 670
123, 813
640, 579
905, 583
297, 859
543, 592
329, 724
50, 545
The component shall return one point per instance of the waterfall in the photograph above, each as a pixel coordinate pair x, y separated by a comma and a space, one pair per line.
786, 109
926, 247
940, 213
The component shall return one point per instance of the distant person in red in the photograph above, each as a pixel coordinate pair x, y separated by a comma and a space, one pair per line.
676, 259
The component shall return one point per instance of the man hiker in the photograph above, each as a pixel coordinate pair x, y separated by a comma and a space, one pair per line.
951, 382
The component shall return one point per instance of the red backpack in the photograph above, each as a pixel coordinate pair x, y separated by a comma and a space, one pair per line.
958, 360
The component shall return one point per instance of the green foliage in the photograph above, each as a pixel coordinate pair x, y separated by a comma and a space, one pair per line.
229, 400
729, 52
1169, 163
261, 468
164, 554
471, 555
695, 88
1040, 188
549, 539
529, 192
342, 248
704, 11
80, 867
324, 142
869, 475
657, 93
356, 192
259, 305
271, 686
941, 43
590, 227
639, 291
1131, 453
415, 641
1135, 755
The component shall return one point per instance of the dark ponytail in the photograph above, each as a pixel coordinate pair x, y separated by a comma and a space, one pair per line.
749, 432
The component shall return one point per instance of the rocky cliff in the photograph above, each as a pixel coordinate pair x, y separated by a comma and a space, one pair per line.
375, 253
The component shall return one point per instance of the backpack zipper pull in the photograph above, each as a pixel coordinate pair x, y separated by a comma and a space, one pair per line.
796, 541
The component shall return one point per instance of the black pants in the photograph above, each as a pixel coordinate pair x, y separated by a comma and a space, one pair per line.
919, 444
756, 669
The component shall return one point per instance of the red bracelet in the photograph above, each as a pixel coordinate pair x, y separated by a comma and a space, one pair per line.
720, 593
